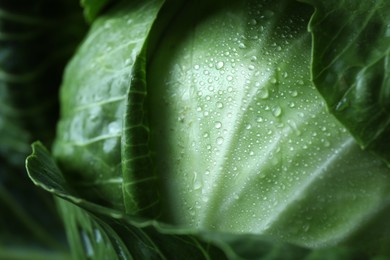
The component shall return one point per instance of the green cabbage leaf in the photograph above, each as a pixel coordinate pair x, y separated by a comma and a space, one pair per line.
225, 129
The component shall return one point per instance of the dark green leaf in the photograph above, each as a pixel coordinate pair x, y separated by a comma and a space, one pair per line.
98, 88
93, 7
351, 69
29, 223
101, 233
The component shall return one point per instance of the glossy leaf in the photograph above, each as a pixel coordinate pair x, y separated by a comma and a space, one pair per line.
243, 142
351, 48
94, 97
102, 233
192, 129
92, 8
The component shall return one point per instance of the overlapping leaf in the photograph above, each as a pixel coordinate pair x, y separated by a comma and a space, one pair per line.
351, 51
102, 233
242, 140
99, 86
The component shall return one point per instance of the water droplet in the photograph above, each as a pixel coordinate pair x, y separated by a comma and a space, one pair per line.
220, 140
253, 58
230, 89
248, 126
260, 119
251, 67
273, 81
196, 67
253, 22
196, 181
219, 105
218, 125
127, 62
242, 46
263, 93
277, 111
229, 78
219, 65
114, 128
294, 93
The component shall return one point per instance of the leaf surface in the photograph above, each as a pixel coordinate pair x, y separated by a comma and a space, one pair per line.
96, 92
350, 67
243, 142
103, 233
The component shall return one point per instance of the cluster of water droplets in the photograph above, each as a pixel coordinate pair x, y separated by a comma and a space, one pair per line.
251, 129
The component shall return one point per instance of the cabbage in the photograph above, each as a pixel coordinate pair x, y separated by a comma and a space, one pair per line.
224, 129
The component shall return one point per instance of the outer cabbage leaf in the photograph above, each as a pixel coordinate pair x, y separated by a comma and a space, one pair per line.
351, 51
242, 140
102, 233
29, 230
92, 8
102, 82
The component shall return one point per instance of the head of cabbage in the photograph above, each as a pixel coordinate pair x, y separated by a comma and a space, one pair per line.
206, 121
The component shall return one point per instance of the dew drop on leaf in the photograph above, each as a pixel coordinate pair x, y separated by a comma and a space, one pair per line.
219, 65
197, 182
263, 93
277, 111
114, 128
294, 93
